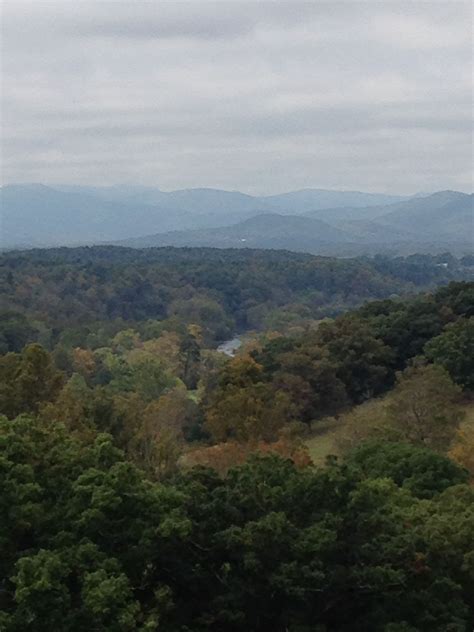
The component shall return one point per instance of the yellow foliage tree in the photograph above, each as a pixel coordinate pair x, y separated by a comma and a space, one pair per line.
158, 441
463, 449
424, 407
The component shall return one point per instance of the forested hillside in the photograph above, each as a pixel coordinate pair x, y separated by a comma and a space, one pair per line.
232, 400
221, 291
150, 482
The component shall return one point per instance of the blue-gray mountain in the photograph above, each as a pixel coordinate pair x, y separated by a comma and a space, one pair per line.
37, 215
442, 221
312, 220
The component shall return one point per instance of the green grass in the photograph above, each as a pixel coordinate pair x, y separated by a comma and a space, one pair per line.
323, 441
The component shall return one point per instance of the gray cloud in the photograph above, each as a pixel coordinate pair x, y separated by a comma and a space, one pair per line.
257, 96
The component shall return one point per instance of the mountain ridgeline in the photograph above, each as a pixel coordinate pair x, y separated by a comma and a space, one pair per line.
316, 221
442, 221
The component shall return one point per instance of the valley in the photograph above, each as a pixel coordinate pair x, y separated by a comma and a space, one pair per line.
236, 316
139, 432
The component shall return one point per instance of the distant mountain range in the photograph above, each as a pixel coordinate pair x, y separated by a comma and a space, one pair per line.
311, 220
442, 221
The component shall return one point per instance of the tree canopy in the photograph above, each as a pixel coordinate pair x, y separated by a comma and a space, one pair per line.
149, 482
89, 542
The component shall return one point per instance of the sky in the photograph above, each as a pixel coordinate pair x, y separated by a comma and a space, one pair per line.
261, 97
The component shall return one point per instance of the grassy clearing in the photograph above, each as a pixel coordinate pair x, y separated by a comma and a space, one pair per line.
323, 441
325, 433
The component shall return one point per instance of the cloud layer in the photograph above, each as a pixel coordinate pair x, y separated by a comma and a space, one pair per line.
256, 96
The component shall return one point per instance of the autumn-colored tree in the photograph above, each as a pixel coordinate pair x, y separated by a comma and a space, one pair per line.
221, 457
289, 445
363, 422
241, 371
224, 456
310, 378
167, 349
255, 412
462, 450
424, 407
156, 443
73, 408
83, 362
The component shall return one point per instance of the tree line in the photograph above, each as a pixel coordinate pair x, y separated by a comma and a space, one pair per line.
43, 292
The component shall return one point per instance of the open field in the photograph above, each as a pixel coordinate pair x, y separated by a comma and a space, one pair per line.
323, 442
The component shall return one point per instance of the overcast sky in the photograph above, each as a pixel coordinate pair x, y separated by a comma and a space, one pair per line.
261, 97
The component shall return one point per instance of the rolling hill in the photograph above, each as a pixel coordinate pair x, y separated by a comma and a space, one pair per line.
38, 215
275, 231
447, 214
442, 221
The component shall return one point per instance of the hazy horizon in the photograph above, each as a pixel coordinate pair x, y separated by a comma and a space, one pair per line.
253, 97
277, 192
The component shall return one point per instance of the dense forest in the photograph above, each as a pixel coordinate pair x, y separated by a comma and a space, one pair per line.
150, 482
220, 290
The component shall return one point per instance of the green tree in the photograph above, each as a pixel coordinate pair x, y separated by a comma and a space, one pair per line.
310, 378
363, 363
68, 509
15, 332
454, 350
190, 353
418, 469
406, 327
27, 380
150, 379
89, 543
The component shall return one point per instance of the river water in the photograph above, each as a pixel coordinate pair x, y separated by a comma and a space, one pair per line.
229, 347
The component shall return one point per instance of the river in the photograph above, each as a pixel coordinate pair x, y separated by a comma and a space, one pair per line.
229, 347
